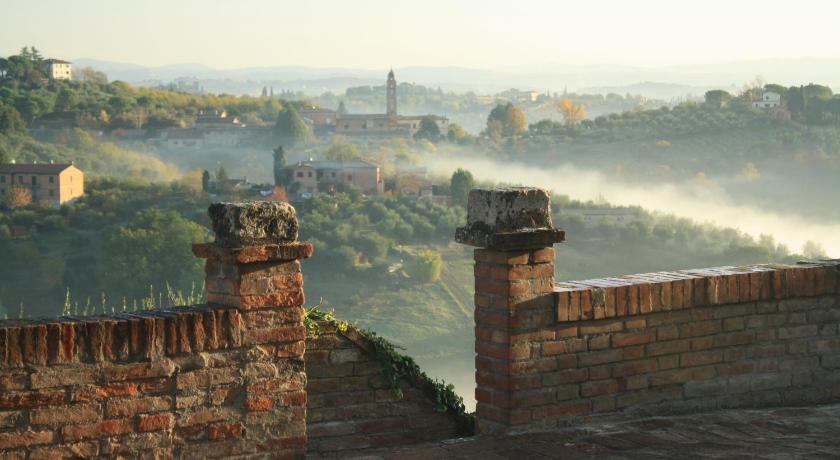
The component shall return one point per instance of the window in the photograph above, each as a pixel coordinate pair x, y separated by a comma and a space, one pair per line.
346, 126
52, 193
52, 179
34, 180
333, 174
20, 179
300, 173
2, 179
349, 178
320, 174
309, 174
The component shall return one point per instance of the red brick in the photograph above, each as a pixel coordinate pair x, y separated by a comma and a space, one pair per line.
294, 399
97, 430
65, 415
218, 431
156, 422
700, 358
574, 306
259, 404
74, 450
544, 255
699, 290
622, 301
586, 310
597, 388
97, 392
632, 338
11, 440
22, 400
634, 367
645, 300
276, 334
133, 406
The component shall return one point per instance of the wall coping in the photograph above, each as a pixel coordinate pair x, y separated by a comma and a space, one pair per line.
126, 337
656, 292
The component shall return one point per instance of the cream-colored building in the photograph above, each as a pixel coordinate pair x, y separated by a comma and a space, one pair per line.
769, 100
313, 177
59, 70
389, 123
54, 184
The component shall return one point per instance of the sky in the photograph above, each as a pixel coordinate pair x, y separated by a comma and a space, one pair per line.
373, 34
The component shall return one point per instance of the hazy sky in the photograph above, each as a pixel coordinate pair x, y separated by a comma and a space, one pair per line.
382, 33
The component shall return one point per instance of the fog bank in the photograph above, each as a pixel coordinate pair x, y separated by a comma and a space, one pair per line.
701, 202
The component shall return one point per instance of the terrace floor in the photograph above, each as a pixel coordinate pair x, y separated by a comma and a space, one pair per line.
777, 433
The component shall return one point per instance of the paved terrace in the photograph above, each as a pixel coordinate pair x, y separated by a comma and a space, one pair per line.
779, 433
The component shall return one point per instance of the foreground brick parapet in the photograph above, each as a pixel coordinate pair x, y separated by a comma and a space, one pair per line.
551, 354
118, 338
676, 290
221, 380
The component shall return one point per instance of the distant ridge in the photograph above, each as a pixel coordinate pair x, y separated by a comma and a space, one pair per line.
659, 82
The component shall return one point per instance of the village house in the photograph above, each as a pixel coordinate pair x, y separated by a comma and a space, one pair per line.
59, 70
769, 100
515, 95
336, 176
53, 184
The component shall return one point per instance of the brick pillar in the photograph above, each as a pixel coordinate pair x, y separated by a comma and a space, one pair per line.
514, 284
254, 265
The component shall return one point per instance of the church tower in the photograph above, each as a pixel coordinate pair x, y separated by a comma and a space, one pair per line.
391, 88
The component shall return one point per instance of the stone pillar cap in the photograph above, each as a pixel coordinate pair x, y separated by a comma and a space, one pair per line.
253, 223
509, 218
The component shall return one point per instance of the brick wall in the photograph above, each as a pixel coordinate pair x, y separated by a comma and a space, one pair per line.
351, 406
220, 380
652, 343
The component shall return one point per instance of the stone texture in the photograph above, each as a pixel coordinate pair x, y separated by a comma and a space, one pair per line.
518, 217
253, 223
808, 432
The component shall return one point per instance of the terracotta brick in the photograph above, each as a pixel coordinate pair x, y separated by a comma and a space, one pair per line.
597, 388
562, 299
126, 407
73, 450
21, 400
11, 440
219, 431
586, 308
259, 404
97, 430
65, 415
156, 422
632, 338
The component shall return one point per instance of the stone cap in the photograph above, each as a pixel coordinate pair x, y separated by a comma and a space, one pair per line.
254, 223
509, 218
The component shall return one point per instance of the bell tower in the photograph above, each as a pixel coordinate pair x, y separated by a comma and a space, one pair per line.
391, 88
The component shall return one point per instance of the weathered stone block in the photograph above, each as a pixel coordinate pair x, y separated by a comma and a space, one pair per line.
253, 223
518, 217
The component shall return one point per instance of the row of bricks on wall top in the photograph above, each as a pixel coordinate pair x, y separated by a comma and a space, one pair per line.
142, 335
665, 291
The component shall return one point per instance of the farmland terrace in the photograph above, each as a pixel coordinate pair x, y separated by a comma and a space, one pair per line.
617, 366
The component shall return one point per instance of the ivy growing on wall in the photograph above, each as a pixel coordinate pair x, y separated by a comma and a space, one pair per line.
396, 367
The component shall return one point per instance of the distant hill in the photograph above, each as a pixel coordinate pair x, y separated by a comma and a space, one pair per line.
659, 82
